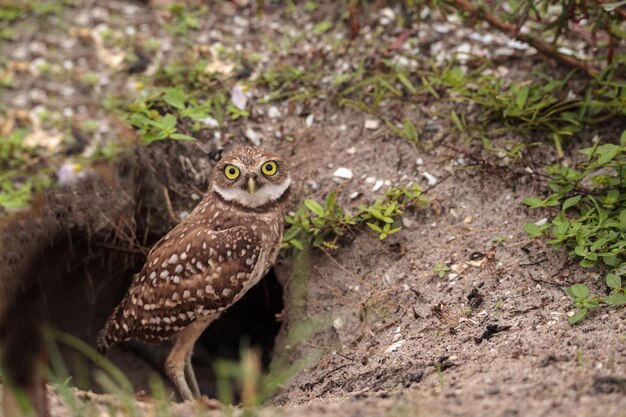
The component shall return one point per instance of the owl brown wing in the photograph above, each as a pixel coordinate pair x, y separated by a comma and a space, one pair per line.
192, 273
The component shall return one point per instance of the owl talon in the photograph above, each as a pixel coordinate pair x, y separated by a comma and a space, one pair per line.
210, 403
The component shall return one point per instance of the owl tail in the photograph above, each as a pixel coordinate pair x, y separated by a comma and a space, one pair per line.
115, 330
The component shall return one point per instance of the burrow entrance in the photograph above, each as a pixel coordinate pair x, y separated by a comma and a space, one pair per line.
81, 299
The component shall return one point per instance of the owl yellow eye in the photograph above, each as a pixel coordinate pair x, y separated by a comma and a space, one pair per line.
231, 172
269, 168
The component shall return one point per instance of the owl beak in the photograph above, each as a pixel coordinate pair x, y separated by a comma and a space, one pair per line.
251, 185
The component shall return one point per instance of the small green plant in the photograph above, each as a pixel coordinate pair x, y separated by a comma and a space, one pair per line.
590, 203
184, 18
407, 130
441, 270
323, 225
582, 301
22, 175
158, 116
317, 225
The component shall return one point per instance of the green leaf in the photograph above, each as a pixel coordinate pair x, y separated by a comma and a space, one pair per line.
622, 139
375, 227
175, 98
168, 121
572, 201
457, 121
521, 97
578, 291
533, 202
533, 230
342, 78
576, 318
607, 152
617, 299
322, 27
613, 281
181, 136
609, 259
292, 232
296, 244
314, 207
407, 83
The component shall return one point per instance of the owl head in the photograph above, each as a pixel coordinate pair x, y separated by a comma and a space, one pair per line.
251, 177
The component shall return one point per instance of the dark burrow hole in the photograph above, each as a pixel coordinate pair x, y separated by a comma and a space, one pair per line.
79, 300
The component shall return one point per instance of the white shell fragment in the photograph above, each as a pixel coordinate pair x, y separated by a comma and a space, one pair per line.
432, 180
343, 173
253, 137
371, 124
273, 112
394, 346
238, 97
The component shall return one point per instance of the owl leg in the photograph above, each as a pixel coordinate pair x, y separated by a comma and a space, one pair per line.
190, 375
178, 363
175, 365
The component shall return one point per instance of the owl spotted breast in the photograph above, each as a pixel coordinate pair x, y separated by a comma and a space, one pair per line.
207, 262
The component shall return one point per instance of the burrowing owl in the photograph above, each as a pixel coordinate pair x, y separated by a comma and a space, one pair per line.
207, 262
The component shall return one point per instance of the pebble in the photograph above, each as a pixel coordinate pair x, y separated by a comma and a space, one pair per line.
372, 124
253, 137
238, 97
387, 16
395, 346
408, 223
209, 122
273, 112
541, 222
309, 120
432, 180
354, 195
378, 185
343, 173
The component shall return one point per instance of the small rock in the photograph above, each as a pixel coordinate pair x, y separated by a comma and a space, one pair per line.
372, 124
209, 122
541, 222
378, 185
504, 51
309, 120
419, 161
395, 346
273, 112
351, 151
387, 16
408, 223
354, 195
370, 180
253, 137
238, 97
432, 180
338, 323
343, 173
69, 173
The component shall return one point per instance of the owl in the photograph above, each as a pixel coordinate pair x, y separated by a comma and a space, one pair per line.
207, 262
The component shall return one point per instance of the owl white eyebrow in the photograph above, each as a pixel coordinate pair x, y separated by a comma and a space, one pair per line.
266, 194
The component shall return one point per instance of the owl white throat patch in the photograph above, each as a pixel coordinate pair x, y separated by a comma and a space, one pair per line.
266, 194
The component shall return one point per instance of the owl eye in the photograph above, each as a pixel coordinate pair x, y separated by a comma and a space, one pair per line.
231, 172
269, 168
